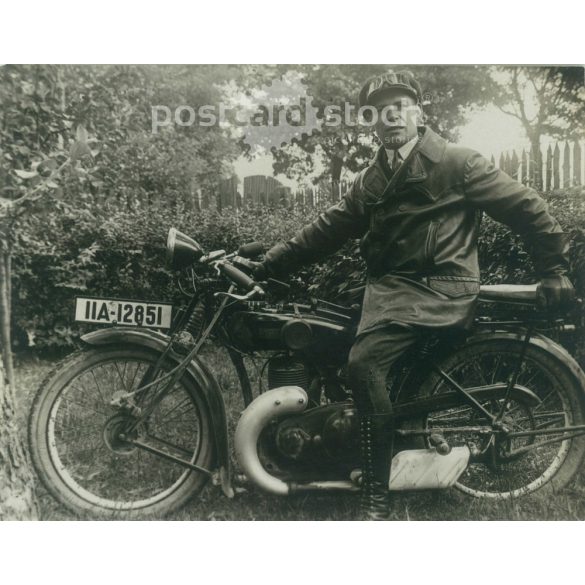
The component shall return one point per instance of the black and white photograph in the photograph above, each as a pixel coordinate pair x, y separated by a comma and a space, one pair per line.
292, 292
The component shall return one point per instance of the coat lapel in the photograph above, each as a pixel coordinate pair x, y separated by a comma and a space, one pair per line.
416, 170
431, 147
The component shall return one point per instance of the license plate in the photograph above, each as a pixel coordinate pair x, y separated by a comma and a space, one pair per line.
122, 312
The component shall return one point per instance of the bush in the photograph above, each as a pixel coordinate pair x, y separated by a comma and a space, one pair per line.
105, 251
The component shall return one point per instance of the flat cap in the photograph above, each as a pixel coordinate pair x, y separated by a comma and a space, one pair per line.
392, 80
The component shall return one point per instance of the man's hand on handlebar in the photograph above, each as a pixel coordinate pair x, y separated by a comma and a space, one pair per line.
555, 292
259, 270
241, 279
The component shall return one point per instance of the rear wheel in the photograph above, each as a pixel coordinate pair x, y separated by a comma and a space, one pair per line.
504, 470
77, 437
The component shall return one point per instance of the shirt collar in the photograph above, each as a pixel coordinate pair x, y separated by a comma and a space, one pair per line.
403, 151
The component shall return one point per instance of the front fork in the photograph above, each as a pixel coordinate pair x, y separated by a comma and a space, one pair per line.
140, 403
135, 400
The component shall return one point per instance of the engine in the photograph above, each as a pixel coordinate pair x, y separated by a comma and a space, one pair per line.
328, 432
287, 371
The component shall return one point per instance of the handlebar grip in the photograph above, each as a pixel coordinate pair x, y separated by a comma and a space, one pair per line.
237, 276
251, 250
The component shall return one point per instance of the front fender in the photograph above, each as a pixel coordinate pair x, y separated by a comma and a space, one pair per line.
197, 371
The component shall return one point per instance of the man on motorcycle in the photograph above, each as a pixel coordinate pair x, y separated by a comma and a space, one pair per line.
417, 210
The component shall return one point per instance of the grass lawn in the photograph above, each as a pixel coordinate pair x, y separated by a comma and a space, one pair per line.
253, 504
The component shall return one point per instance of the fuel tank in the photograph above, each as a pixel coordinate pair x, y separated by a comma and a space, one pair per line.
320, 328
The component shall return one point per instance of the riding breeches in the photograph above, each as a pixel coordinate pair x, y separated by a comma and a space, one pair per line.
370, 360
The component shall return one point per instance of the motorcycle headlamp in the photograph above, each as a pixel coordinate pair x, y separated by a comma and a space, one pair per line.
182, 251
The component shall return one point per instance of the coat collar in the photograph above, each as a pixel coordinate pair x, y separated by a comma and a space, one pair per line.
430, 147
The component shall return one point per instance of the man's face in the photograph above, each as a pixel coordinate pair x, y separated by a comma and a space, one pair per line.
397, 118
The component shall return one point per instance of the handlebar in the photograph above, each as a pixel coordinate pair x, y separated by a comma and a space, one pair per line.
237, 276
224, 263
241, 279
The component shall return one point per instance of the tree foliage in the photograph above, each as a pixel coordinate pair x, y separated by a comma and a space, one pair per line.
548, 101
42, 106
334, 150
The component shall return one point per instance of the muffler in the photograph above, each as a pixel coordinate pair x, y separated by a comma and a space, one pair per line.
427, 469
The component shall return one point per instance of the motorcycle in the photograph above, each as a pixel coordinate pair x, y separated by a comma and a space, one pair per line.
134, 424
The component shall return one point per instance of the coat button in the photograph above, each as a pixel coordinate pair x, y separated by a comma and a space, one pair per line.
402, 208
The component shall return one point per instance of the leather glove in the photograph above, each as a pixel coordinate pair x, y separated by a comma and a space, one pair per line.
555, 292
259, 270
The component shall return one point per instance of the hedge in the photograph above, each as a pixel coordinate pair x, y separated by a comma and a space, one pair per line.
106, 251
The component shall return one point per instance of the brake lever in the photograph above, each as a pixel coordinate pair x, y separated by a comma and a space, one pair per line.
213, 256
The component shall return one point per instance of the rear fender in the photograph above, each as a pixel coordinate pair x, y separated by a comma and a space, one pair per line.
197, 371
568, 362
410, 386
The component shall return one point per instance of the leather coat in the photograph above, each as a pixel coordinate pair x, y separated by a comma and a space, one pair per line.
419, 230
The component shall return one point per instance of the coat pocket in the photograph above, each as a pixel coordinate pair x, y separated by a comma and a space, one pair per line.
454, 286
431, 243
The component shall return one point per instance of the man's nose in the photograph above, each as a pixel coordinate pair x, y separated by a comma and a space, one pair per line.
392, 116
393, 120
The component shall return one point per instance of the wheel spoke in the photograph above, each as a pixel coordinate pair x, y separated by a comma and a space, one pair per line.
163, 417
84, 436
84, 405
501, 473
496, 369
98, 387
74, 436
544, 400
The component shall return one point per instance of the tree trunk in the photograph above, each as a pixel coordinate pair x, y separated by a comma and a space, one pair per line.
336, 168
5, 340
537, 162
17, 496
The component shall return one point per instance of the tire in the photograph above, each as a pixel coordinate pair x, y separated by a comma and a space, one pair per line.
75, 446
503, 474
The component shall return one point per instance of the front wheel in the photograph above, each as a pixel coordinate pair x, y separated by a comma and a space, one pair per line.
75, 436
508, 468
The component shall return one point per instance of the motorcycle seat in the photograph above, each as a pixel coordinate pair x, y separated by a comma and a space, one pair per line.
508, 292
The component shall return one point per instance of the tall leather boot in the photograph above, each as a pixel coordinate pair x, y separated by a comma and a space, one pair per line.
376, 441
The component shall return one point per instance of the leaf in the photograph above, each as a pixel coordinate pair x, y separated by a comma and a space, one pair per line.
81, 134
79, 150
25, 174
46, 167
52, 184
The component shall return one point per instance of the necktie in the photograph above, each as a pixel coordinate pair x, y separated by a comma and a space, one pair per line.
396, 161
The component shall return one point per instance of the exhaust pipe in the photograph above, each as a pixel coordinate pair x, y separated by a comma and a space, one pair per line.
271, 404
